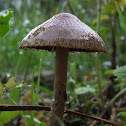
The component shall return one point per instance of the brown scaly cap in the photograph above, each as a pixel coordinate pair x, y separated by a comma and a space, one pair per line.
64, 30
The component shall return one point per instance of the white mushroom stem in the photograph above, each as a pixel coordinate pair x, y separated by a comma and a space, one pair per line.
60, 96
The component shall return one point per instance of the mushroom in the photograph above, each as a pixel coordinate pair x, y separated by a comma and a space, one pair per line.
62, 33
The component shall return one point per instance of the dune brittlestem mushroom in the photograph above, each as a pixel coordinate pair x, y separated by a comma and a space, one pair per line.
62, 33
60, 85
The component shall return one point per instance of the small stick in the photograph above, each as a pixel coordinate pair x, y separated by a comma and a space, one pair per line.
121, 109
38, 108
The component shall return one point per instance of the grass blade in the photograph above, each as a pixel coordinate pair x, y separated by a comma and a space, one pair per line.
120, 15
32, 98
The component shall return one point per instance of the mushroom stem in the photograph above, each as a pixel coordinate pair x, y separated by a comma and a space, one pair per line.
60, 96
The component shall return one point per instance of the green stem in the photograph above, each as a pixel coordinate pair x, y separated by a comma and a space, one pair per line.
120, 15
27, 66
97, 56
6, 53
70, 7
39, 75
17, 65
22, 114
120, 93
32, 98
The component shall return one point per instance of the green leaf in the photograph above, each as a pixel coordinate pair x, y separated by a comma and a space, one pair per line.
120, 15
6, 117
41, 124
13, 96
83, 90
121, 73
122, 114
11, 83
6, 21
2, 90
108, 72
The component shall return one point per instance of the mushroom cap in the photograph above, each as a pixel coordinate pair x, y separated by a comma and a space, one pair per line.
64, 30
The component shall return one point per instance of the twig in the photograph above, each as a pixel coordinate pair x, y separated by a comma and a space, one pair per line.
121, 109
113, 114
94, 122
110, 104
92, 117
38, 108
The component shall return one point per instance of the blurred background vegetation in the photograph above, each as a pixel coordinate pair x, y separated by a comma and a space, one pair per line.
82, 86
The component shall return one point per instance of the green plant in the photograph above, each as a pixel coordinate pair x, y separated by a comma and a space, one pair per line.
6, 21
